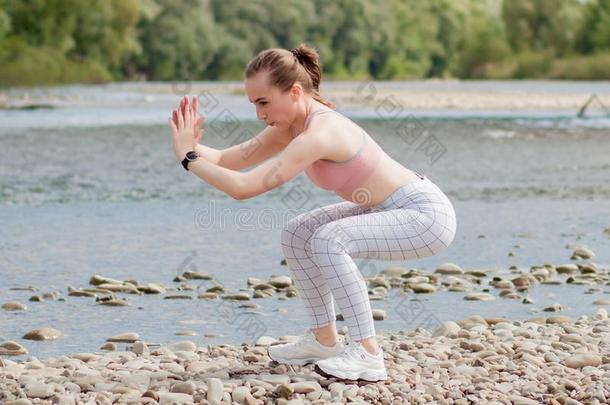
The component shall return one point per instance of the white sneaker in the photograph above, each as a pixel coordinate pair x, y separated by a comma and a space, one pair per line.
306, 349
354, 363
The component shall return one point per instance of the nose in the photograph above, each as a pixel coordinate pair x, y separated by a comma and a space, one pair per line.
260, 115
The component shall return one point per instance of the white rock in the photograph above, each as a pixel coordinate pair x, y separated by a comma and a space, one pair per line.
582, 360
481, 296
281, 281
449, 268
138, 379
215, 391
42, 334
186, 387
11, 348
583, 252
447, 329
140, 348
38, 390
422, 288
14, 306
171, 398
265, 341
184, 345
240, 394
129, 337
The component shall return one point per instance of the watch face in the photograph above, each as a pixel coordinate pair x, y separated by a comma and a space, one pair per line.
192, 155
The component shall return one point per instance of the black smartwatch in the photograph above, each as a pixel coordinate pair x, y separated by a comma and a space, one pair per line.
190, 156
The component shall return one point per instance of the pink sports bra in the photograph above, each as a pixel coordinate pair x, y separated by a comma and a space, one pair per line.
344, 177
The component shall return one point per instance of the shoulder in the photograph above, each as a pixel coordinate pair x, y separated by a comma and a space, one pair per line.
312, 144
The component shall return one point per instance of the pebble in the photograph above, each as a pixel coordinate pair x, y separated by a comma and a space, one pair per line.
38, 390
583, 252
129, 337
11, 348
479, 297
42, 334
567, 269
242, 296
553, 308
449, 268
96, 279
140, 348
422, 288
265, 341
393, 271
448, 328
559, 319
184, 346
582, 360
187, 387
215, 390
281, 281
197, 275
171, 398
14, 306
379, 314
109, 346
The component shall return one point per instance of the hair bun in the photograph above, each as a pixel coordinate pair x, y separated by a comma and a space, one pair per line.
297, 53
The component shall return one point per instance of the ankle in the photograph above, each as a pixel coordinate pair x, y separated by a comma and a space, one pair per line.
328, 342
326, 336
371, 348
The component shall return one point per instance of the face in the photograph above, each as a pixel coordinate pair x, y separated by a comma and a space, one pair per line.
273, 106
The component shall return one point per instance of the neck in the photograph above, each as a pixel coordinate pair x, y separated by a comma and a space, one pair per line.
299, 123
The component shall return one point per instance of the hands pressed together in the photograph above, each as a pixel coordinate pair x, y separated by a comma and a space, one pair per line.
186, 127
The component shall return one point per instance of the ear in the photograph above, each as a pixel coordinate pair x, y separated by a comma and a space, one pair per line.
296, 91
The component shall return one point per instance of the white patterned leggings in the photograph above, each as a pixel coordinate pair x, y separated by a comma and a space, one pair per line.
415, 221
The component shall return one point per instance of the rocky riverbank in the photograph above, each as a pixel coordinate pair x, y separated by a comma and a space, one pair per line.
553, 360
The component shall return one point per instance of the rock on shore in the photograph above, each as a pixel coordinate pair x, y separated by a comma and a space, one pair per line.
555, 360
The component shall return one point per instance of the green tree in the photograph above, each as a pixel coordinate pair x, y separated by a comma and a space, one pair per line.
595, 32
178, 38
543, 25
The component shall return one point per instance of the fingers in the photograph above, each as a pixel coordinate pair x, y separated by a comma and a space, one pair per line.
180, 120
173, 126
175, 118
195, 106
187, 114
182, 104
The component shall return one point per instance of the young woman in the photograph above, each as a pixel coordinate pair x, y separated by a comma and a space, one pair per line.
390, 212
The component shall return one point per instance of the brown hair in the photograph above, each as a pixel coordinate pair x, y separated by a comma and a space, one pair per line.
287, 67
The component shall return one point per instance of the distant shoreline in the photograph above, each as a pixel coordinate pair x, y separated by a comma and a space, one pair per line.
426, 94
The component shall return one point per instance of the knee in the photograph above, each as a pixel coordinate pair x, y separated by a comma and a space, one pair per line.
445, 238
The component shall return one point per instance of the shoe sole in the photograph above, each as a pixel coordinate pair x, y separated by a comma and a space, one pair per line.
368, 376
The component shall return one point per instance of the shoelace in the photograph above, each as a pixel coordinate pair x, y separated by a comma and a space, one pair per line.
353, 350
303, 339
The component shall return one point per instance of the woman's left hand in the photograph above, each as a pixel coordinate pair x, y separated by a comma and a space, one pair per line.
185, 129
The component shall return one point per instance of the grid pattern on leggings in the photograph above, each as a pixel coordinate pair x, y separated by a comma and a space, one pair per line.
416, 221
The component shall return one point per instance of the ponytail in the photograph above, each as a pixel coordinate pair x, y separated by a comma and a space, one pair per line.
286, 67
